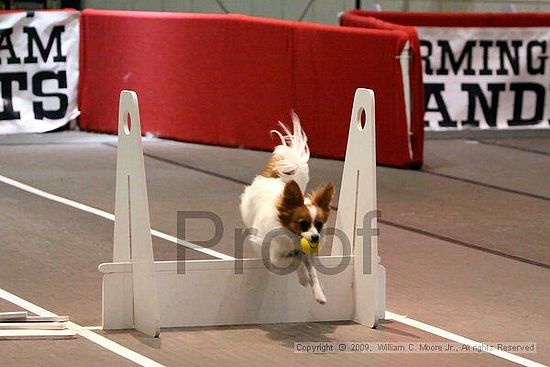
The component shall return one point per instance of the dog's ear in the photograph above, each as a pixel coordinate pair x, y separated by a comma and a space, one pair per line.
292, 197
323, 196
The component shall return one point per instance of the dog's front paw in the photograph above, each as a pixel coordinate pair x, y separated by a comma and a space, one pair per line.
319, 295
321, 299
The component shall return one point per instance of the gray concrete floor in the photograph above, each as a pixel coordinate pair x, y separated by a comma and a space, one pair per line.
465, 242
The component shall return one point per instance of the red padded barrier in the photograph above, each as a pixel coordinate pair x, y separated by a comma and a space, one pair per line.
359, 19
459, 19
193, 81
227, 79
329, 67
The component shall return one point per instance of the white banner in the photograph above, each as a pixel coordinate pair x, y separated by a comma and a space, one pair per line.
38, 70
485, 77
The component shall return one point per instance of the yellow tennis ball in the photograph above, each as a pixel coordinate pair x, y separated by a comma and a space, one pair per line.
309, 247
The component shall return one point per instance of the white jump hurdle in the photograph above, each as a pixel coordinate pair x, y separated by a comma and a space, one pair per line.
144, 294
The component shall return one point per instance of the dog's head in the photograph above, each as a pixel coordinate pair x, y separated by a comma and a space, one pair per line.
305, 216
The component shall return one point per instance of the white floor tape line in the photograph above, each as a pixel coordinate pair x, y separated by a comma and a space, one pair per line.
83, 332
460, 339
109, 216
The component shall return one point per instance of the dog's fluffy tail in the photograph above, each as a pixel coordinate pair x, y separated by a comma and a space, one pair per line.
292, 155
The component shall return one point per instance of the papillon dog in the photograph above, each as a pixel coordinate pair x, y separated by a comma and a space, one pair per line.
276, 203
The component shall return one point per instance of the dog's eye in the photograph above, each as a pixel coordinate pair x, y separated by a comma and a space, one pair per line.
304, 225
319, 225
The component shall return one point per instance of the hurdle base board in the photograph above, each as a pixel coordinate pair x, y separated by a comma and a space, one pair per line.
211, 294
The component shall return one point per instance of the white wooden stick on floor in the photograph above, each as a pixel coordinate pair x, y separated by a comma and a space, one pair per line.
20, 316
33, 325
31, 319
13, 315
36, 334
19, 325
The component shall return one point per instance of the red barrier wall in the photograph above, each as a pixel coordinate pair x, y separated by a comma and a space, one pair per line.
359, 19
227, 79
459, 19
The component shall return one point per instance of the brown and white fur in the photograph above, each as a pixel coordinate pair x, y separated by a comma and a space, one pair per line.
276, 200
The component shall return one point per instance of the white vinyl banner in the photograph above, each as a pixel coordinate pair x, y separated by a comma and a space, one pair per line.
485, 77
38, 70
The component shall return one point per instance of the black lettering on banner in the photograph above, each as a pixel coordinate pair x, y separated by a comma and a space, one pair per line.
5, 37
489, 111
435, 89
426, 56
500, 61
447, 53
37, 82
6, 79
520, 89
512, 60
485, 45
55, 36
531, 69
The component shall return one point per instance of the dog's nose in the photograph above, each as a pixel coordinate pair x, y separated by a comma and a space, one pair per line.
315, 238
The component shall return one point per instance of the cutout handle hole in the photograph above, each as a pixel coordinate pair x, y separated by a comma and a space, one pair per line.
361, 118
127, 124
